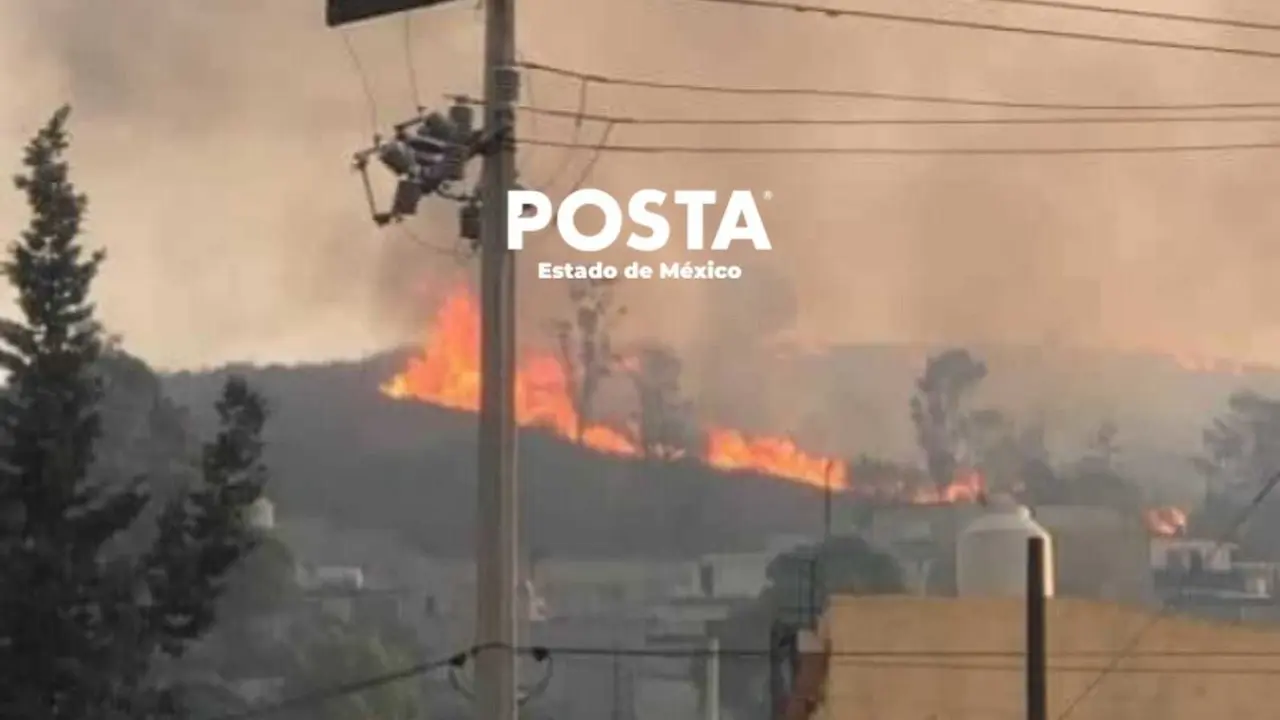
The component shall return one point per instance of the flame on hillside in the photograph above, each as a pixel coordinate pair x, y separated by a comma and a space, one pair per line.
1166, 521
446, 372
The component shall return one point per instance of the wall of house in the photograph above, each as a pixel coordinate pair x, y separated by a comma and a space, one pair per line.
929, 677
576, 588
733, 575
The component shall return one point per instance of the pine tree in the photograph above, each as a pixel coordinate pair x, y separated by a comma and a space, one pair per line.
82, 620
204, 534
59, 595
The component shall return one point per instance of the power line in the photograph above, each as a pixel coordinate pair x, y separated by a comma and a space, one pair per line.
351, 688
883, 96
596, 151
1136, 638
866, 659
584, 87
900, 656
370, 100
456, 253
1145, 14
864, 121
835, 12
908, 151
410, 65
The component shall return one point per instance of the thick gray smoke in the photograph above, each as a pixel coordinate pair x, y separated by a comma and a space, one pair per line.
214, 141
213, 136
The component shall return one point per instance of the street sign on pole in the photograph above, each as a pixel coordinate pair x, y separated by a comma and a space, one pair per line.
345, 12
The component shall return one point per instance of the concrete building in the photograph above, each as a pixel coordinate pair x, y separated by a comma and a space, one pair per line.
907, 658
1184, 555
574, 587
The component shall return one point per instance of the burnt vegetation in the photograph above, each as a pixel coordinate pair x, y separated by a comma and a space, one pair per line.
343, 451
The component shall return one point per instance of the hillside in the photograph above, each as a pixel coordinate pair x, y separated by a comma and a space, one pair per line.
341, 449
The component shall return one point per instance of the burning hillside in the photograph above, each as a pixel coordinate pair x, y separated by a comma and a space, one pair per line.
446, 372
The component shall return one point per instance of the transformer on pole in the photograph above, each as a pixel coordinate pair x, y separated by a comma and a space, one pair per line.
428, 155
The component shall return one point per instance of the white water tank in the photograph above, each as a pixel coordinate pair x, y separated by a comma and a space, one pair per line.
261, 514
991, 552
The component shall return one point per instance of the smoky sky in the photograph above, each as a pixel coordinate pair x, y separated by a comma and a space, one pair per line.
214, 140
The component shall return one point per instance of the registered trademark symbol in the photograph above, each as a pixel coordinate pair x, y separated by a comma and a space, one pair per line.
768, 194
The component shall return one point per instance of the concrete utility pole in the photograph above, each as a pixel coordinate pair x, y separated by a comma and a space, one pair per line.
496, 680
496, 691
711, 697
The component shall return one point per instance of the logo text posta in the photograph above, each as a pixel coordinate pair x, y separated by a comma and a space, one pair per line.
531, 211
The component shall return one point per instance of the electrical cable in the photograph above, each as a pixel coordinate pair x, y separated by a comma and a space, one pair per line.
908, 151
532, 95
901, 658
409, 64
351, 688
459, 255
364, 81
837, 12
584, 86
1136, 639
871, 122
882, 96
1145, 14
864, 659
596, 151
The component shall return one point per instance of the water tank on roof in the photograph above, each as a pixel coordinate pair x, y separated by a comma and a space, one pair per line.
991, 553
262, 514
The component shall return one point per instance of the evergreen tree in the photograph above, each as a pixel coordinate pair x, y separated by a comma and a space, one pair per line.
59, 595
82, 620
205, 533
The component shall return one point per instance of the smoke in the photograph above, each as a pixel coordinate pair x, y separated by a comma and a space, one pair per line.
212, 138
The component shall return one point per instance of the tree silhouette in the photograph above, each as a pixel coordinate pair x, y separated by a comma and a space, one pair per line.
82, 619
586, 343
938, 409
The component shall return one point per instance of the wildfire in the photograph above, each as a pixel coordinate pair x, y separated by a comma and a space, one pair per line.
447, 372
733, 450
967, 486
1166, 521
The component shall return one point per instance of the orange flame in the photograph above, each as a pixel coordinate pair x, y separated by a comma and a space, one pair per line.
732, 450
966, 487
447, 372
1166, 521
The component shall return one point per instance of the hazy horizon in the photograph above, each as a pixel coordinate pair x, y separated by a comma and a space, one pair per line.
214, 143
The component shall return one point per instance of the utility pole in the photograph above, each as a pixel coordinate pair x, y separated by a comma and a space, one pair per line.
617, 682
427, 154
496, 499
711, 697
826, 500
1036, 670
